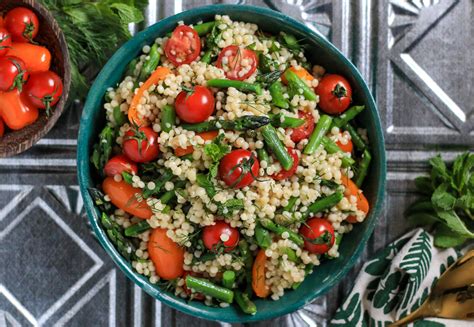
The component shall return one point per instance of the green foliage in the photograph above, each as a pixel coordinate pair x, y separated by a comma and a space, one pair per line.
450, 206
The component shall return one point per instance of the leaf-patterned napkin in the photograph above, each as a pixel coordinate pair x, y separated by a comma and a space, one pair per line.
396, 282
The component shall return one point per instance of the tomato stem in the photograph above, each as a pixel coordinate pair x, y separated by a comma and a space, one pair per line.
339, 91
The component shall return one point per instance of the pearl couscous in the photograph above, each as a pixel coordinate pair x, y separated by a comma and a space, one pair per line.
230, 168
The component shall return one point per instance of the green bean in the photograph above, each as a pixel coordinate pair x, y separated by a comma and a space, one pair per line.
204, 28
114, 231
324, 203
276, 146
298, 84
159, 184
208, 288
291, 254
263, 155
263, 237
355, 137
243, 123
280, 120
276, 91
187, 157
332, 147
228, 279
319, 132
103, 148
119, 116
363, 168
138, 228
248, 262
239, 85
347, 116
244, 303
132, 65
207, 56
150, 63
291, 204
270, 225
127, 177
168, 118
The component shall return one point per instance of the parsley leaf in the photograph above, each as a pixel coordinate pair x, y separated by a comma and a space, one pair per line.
227, 208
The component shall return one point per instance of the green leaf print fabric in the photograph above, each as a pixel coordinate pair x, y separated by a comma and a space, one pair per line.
396, 282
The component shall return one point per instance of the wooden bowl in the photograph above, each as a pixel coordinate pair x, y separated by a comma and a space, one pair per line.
51, 37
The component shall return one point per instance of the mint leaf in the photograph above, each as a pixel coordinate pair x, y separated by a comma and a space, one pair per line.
452, 220
442, 199
227, 208
423, 185
446, 238
465, 202
439, 170
422, 219
216, 150
205, 183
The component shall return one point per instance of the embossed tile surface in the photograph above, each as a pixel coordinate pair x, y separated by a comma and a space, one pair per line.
417, 58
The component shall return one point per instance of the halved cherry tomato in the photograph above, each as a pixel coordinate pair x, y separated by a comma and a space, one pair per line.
318, 235
188, 291
258, 275
1, 21
36, 58
13, 73
119, 164
206, 136
304, 131
300, 72
148, 149
2, 127
5, 41
335, 94
221, 233
284, 174
15, 111
352, 189
22, 23
184, 45
237, 63
195, 105
44, 89
239, 168
166, 255
345, 147
124, 196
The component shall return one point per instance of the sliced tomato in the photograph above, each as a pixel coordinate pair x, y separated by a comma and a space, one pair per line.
345, 147
184, 45
304, 131
284, 174
119, 164
237, 63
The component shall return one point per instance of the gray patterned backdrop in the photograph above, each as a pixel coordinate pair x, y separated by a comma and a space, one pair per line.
417, 56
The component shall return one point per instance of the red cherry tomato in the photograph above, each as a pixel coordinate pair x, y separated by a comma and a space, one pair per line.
148, 149
335, 94
167, 255
119, 164
12, 73
2, 127
22, 23
304, 131
284, 174
5, 41
318, 235
239, 168
220, 233
44, 89
15, 111
196, 105
345, 147
184, 45
237, 63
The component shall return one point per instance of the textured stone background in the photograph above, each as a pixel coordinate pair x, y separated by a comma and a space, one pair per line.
417, 56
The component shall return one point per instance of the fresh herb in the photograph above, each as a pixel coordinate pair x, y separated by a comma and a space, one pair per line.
229, 207
447, 203
217, 150
93, 30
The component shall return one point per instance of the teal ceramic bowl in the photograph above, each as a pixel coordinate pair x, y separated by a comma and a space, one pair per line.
320, 52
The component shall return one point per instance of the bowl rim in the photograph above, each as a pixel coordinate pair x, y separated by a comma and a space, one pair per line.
142, 281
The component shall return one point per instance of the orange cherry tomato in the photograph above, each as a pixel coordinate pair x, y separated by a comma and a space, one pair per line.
36, 57
345, 147
123, 196
258, 275
167, 256
300, 72
352, 189
15, 111
206, 136
2, 127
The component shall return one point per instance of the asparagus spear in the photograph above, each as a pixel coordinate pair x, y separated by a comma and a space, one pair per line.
240, 124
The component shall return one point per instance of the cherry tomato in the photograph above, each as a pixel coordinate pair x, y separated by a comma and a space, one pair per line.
22, 23
335, 94
119, 164
2, 127
5, 41
188, 291
304, 131
1, 21
284, 174
237, 63
206, 136
239, 168
351, 189
196, 105
345, 147
36, 57
124, 196
15, 111
318, 235
184, 45
259, 284
166, 255
148, 149
12, 73
221, 233
44, 89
